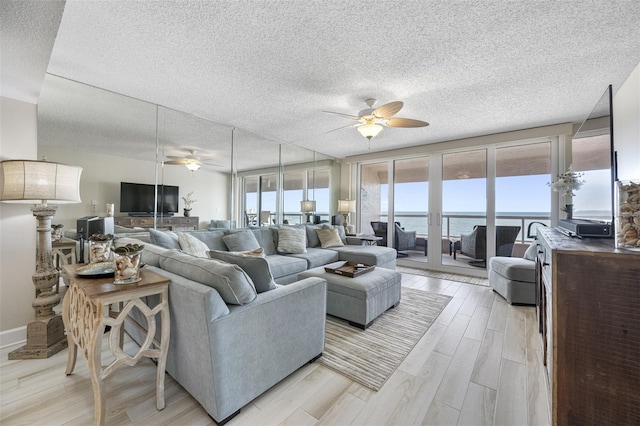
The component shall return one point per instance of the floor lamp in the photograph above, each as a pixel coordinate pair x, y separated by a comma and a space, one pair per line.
32, 182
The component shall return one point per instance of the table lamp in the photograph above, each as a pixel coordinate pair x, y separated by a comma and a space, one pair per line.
32, 182
345, 207
308, 207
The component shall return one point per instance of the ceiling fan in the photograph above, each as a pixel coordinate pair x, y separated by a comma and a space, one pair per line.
191, 161
370, 120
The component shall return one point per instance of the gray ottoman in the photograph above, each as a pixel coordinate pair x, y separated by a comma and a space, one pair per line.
514, 279
361, 299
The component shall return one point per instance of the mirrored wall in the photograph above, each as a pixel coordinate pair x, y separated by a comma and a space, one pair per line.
195, 167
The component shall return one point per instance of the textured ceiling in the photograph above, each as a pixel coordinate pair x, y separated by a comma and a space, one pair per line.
271, 67
28, 30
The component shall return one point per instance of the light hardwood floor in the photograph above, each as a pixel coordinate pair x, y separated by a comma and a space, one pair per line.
479, 364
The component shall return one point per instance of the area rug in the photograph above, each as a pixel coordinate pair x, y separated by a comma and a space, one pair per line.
370, 356
444, 275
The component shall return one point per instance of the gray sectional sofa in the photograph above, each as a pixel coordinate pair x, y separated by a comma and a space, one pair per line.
235, 332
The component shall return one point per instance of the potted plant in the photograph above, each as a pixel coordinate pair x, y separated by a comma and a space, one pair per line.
566, 184
188, 200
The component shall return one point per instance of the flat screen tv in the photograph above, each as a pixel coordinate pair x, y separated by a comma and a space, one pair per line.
593, 155
139, 198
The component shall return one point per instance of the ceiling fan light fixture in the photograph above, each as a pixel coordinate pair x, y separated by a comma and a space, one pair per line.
370, 130
192, 166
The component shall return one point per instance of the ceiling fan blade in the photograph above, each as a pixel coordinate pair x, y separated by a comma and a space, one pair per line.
405, 122
181, 161
344, 127
388, 110
352, 117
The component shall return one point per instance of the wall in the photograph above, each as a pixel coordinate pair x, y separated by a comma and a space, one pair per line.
626, 126
102, 174
18, 140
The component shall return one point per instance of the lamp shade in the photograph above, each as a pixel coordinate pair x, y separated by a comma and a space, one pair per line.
307, 206
193, 166
27, 181
346, 206
370, 130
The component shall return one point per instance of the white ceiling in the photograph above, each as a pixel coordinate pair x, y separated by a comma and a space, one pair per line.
271, 67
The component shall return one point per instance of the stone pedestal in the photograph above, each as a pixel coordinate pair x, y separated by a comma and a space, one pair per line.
45, 337
45, 334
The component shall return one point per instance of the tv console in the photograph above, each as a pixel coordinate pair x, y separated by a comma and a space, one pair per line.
589, 323
148, 214
173, 223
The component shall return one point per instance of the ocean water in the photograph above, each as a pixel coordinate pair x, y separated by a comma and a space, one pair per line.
456, 223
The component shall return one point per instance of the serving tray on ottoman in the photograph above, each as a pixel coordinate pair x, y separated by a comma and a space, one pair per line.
349, 269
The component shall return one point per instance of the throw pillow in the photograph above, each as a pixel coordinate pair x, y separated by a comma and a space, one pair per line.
233, 284
166, 239
292, 240
340, 228
191, 245
531, 252
254, 265
329, 238
257, 252
241, 241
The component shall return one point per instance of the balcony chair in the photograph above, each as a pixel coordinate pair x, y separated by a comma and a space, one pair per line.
474, 244
380, 230
265, 218
404, 240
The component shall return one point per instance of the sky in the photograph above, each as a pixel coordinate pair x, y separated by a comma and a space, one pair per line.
513, 194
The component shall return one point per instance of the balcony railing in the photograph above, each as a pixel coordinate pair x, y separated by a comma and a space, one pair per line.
466, 222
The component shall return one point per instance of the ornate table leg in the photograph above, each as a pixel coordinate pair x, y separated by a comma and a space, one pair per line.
83, 323
71, 344
94, 359
164, 348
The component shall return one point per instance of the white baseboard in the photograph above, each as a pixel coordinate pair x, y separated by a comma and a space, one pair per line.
14, 336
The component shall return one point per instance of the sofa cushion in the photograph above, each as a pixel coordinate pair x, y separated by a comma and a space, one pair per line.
256, 267
532, 252
233, 284
281, 266
312, 235
329, 238
315, 256
117, 229
292, 239
222, 224
213, 239
191, 245
369, 255
151, 254
265, 237
514, 268
241, 241
166, 239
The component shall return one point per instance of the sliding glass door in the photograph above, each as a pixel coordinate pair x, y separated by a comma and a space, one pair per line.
411, 207
374, 200
456, 209
464, 208
521, 195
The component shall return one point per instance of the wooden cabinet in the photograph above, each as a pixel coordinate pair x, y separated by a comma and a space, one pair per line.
173, 223
589, 313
